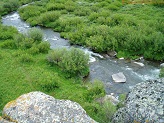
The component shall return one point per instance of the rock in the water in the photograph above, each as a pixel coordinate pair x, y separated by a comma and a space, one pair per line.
37, 107
144, 104
111, 98
108, 98
112, 53
121, 58
119, 77
162, 65
139, 63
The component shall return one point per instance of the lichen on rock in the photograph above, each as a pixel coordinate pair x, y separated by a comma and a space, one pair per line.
39, 107
144, 104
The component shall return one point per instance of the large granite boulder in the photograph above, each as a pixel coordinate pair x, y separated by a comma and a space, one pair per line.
144, 104
37, 107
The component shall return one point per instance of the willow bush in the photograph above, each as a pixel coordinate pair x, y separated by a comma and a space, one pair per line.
103, 25
72, 61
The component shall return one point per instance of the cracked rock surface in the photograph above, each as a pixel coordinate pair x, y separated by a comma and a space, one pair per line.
144, 104
37, 107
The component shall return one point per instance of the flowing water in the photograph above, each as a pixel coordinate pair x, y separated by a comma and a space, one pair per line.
100, 68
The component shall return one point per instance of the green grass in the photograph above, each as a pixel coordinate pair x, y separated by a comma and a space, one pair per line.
22, 72
17, 78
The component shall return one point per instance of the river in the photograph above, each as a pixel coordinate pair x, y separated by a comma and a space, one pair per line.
100, 68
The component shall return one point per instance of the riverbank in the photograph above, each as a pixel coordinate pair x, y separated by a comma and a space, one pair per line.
103, 26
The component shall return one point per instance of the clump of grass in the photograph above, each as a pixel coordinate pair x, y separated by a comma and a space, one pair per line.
26, 58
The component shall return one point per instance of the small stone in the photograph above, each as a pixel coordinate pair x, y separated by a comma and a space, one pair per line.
139, 63
121, 58
112, 53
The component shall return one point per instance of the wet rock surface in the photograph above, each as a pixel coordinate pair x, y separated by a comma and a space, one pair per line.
144, 104
37, 107
139, 64
119, 77
162, 65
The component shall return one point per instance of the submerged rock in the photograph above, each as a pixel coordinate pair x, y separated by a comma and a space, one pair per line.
139, 63
119, 77
37, 107
144, 104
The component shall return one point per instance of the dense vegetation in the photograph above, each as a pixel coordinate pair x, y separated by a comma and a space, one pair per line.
103, 25
73, 61
7, 6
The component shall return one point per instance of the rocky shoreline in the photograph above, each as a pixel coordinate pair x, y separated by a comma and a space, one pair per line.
144, 104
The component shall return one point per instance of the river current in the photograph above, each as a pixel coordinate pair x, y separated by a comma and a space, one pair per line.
100, 68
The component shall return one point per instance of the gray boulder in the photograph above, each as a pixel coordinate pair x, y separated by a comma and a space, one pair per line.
112, 53
119, 77
162, 65
144, 104
37, 107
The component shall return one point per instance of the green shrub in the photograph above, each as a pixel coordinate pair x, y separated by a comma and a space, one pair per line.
47, 17
21, 41
9, 44
56, 6
18, 53
54, 57
35, 34
27, 43
95, 90
108, 110
19, 38
49, 82
33, 50
122, 98
11, 5
7, 32
73, 61
31, 11
44, 47
26, 58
